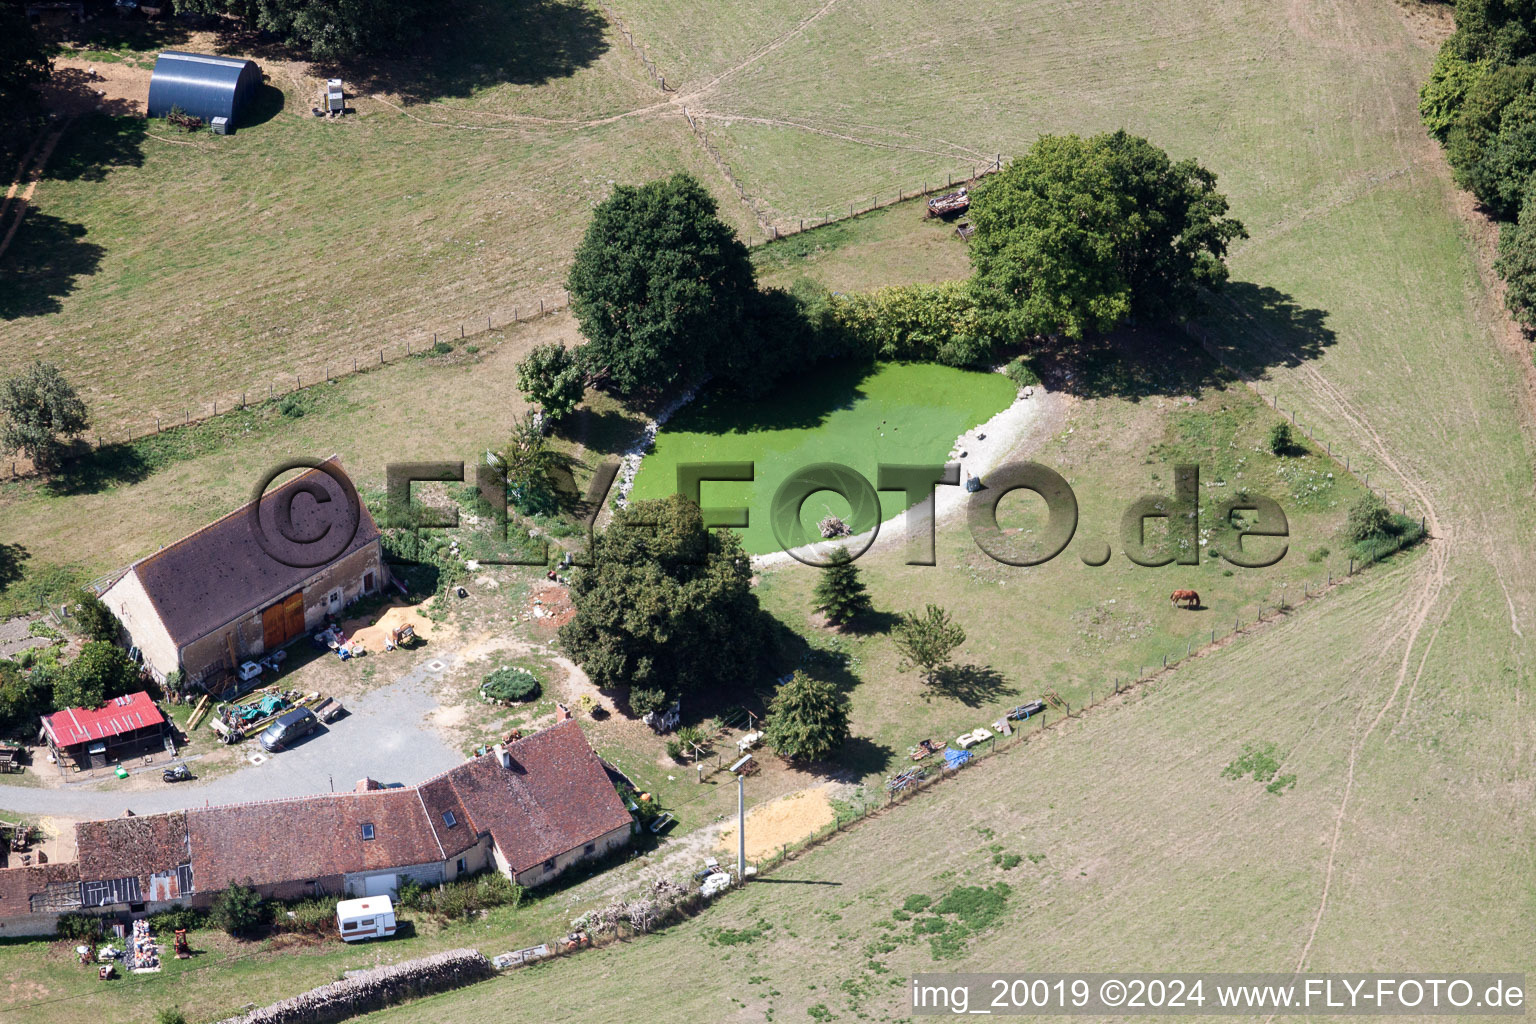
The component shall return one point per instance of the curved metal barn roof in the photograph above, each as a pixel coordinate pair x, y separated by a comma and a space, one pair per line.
205, 87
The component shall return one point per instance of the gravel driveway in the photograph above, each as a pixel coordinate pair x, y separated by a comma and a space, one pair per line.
384, 737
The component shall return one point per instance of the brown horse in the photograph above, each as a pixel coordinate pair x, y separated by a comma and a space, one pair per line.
1188, 598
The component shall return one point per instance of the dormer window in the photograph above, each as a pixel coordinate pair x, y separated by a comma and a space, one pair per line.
367, 830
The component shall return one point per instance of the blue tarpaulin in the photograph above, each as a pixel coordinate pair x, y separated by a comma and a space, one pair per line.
955, 758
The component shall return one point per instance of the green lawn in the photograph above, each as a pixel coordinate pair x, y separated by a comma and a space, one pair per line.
896, 413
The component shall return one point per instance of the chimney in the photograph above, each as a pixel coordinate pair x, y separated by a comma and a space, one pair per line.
504, 756
562, 713
365, 785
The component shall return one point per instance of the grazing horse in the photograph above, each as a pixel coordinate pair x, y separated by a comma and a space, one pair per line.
1188, 598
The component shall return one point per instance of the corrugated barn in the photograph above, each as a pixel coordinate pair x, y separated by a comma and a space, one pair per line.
205, 87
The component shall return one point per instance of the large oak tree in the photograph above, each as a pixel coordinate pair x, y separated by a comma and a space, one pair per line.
1079, 235
665, 605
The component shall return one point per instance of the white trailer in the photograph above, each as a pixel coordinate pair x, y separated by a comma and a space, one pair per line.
372, 917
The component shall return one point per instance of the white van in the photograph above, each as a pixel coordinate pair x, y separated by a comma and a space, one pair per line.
372, 917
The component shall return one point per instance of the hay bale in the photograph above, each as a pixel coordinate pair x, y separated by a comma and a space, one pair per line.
374, 989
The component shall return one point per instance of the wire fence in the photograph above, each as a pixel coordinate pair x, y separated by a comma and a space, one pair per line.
321, 372
629, 37
776, 226
1402, 505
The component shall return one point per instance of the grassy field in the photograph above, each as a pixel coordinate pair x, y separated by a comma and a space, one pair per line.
1402, 706
897, 413
166, 273
1065, 625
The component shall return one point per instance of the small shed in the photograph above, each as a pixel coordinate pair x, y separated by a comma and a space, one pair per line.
125, 727
205, 87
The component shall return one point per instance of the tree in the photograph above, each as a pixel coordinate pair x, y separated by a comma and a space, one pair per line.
807, 719
99, 672
659, 285
840, 593
95, 618
40, 410
1280, 438
238, 910
530, 466
551, 377
926, 641
1441, 98
1517, 263
665, 606
1368, 518
24, 65
324, 28
22, 699
1080, 234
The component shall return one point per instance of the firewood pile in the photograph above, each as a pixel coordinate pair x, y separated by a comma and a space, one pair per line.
374, 989
181, 119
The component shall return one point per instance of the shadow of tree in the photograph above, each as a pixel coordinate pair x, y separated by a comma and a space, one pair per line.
45, 261
1255, 327
1130, 363
482, 43
11, 558
96, 143
971, 685
872, 622
798, 403
91, 470
788, 651
119, 34
600, 432
1247, 325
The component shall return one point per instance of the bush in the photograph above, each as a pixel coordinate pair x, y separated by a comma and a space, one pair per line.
1368, 518
412, 895
1021, 373
644, 701
171, 1015
95, 618
925, 322
512, 685
315, 916
167, 921
675, 751
1281, 440
78, 927
466, 896
1517, 263
99, 672
238, 911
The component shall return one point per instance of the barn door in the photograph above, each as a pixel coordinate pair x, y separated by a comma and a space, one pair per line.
282, 621
293, 609
273, 626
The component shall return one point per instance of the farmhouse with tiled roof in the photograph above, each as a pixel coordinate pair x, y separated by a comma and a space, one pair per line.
529, 809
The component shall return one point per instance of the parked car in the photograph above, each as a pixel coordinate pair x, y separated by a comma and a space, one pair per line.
294, 725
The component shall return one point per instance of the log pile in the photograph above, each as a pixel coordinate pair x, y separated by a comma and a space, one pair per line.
374, 989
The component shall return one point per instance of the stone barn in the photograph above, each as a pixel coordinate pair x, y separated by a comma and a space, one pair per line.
221, 596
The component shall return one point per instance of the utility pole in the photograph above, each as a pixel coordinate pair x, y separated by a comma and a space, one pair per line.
741, 826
